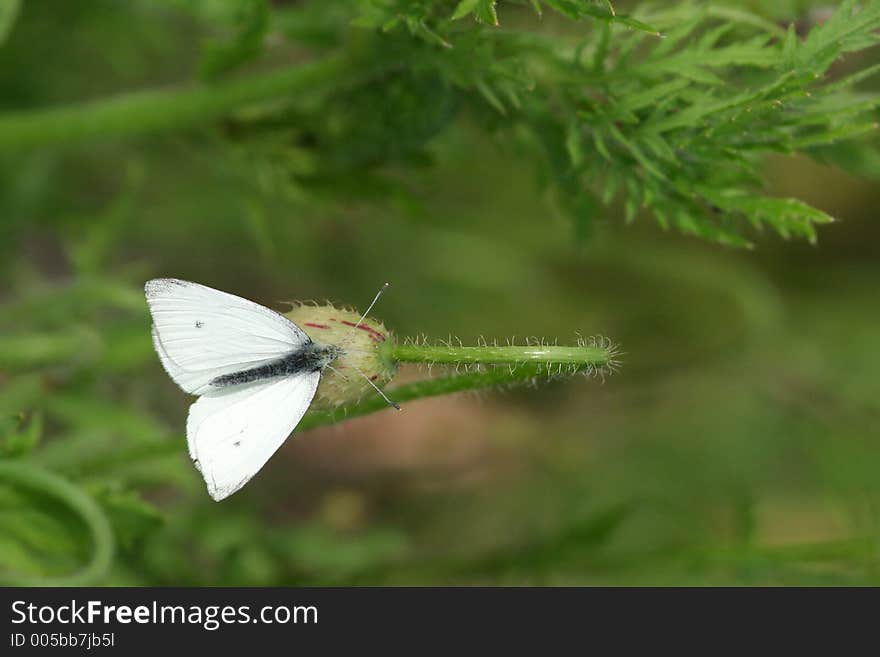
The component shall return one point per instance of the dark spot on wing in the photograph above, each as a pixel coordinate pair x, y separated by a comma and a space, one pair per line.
199, 324
237, 443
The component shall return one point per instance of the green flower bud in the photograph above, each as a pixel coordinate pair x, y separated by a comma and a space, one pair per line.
365, 348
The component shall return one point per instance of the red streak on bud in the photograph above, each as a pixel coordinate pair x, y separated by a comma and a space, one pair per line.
374, 334
320, 326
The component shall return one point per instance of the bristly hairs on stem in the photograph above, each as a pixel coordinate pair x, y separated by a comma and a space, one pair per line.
481, 367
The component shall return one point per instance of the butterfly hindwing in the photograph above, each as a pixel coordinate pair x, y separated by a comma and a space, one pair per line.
232, 434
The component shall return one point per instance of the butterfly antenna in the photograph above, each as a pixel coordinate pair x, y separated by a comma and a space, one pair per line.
367, 379
377, 389
373, 303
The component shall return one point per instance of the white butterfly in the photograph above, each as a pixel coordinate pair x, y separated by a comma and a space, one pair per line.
254, 370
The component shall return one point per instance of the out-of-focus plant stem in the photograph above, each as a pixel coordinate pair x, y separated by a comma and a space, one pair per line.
71, 496
156, 110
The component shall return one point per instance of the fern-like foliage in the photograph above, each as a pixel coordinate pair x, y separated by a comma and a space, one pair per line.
669, 110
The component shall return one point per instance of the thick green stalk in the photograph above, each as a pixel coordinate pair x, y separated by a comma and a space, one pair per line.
151, 111
597, 356
508, 364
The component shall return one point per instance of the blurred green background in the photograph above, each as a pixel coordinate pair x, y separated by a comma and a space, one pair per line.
738, 443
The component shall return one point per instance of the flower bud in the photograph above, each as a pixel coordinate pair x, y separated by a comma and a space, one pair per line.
362, 350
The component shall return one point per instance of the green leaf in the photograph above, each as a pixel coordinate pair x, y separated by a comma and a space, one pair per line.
585, 8
851, 27
483, 11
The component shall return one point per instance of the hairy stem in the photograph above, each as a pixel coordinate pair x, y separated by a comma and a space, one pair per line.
426, 388
597, 356
149, 111
512, 364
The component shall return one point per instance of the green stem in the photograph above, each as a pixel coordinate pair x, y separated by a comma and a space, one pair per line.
513, 364
598, 356
149, 111
426, 388
83, 506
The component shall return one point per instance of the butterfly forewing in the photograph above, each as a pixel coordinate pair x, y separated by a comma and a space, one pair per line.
201, 333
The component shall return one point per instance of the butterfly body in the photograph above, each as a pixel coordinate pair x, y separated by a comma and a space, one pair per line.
311, 357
